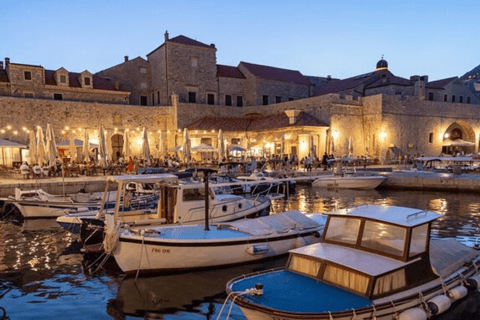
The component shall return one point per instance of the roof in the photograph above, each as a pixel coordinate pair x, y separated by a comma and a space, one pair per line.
440, 84
279, 120
11, 144
278, 74
229, 72
363, 261
369, 80
405, 217
98, 82
185, 40
144, 178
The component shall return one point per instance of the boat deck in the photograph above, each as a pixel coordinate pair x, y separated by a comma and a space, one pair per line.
447, 255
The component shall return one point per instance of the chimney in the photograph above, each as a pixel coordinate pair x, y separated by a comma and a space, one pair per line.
166, 35
7, 61
126, 58
1, 65
212, 45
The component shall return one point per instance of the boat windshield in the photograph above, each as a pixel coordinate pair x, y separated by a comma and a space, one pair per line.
304, 265
384, 237
419, 241
343, 230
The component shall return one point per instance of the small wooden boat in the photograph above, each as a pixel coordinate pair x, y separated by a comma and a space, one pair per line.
348, 182
374, 262
181, 247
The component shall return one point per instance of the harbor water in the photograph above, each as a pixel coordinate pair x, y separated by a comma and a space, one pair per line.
43, 275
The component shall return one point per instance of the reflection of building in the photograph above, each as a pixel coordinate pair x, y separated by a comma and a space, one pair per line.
260, 108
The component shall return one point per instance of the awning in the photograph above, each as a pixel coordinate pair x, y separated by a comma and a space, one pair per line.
11, 144
203, 148
236, 148
457, 143
177, 148
78, 144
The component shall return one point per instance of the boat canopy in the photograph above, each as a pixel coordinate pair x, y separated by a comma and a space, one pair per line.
141, 178
277, 223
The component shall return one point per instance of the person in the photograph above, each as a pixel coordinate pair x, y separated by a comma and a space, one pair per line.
24, 170
37, 170
325, 161
130, 165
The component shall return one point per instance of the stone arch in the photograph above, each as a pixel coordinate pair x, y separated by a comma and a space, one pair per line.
460, 130
453, 136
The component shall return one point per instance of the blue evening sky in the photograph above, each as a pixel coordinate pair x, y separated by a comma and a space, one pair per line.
340, 38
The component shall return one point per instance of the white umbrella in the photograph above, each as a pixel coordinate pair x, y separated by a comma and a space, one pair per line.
40, 146
127, 153
73, 149
145, 146
350, 147
176, 149
186, 146
86, 146
282, 147
203, 148
108, 144
33, 148
221, 145
102, 149
161, 142
51, 147
332, 145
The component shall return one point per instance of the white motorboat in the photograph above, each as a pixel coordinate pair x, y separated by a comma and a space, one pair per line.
374, 262
180, 247
178, 202
348, 181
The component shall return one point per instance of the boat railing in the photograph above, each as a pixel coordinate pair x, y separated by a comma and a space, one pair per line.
416, 214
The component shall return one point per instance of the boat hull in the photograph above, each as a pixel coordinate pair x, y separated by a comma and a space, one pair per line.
355, 182
32, 210
150, 256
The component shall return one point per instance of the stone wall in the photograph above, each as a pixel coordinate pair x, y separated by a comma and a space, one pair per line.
234, 87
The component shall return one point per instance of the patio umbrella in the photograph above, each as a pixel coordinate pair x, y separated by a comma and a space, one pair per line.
176, 149
350, 146
282, 146
203, 148
86, 147
161, 141
127, 153
236, 148
40, 146
186, 146
50, 146
221, 145
332, 145
108, 143
102, 149
73, 149
145, 146
32, 148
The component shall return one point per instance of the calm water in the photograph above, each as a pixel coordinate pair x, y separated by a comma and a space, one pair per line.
42, 275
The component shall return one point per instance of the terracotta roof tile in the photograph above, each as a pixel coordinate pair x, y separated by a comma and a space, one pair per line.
278, 74
185, 40
229, 72
440, 84
276, 121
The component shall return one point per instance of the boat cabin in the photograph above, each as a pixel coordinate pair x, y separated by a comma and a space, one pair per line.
371, 250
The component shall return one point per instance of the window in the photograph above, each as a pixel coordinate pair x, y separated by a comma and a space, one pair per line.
87, 81
143, 70
445, 97
390, 240
430, 96
210, 98
418, 243
194, 62
346, 278
460, 99
453, 98
57, 96
265, 100
343, 230
63, 78
28, 95
228, 100
236, 140
194, 194
290, 99
192, 97
158, 97
153, 99
430, 137
143, 100
239, 101
390, 282
278, 99
468, 99
28, 75
143, 85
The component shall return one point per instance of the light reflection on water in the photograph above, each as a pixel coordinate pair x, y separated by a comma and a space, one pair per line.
42, 273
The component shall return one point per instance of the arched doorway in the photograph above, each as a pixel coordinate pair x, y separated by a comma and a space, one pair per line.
117, 146
459, 138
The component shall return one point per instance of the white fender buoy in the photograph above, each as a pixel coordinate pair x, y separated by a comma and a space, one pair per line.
473, 283
457, 293
413, 314
439, 304
257, 249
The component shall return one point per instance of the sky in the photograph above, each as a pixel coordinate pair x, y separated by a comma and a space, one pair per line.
341, 38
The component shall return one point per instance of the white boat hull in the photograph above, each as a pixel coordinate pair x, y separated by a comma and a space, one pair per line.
133, 254
349, 182
47, 210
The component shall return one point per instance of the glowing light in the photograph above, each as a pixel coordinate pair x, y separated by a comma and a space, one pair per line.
196, 131
15, 132
73, 131
3, 131
213, 130
67, 128
79, 129
204, 131
139, 142
446, 135
126, 130
63, 132
335, 134
383, 135
168, 131
116, 129
138, 129
24, 129
9, 127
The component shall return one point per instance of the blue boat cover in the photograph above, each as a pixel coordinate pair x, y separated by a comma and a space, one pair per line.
288, 291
